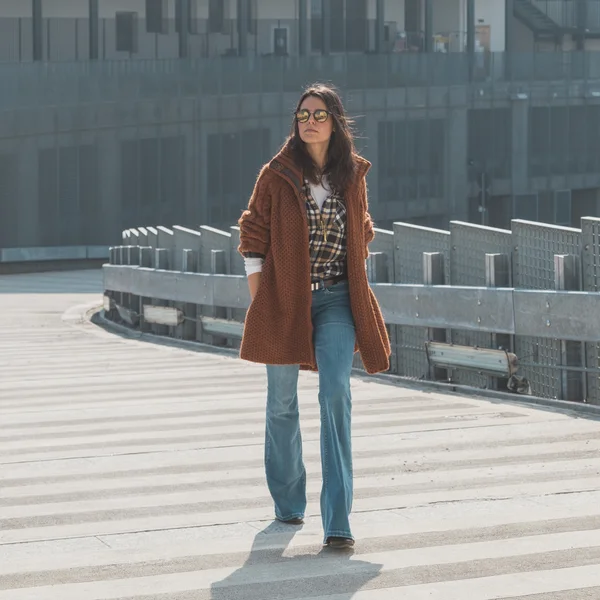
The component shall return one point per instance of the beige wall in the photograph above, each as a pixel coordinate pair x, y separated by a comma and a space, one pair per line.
492, 13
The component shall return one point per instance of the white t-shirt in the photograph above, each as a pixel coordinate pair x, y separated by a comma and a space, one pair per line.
320, 193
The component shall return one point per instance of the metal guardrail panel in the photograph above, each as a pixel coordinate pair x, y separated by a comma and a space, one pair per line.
536, 244
230, 291
559, 315
410, 243
469, 245
482, 309
590, 256
551, 327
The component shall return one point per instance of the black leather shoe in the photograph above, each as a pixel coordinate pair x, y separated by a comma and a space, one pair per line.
294, 521
340, 543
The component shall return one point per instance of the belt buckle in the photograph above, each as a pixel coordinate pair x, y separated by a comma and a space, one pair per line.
316, 285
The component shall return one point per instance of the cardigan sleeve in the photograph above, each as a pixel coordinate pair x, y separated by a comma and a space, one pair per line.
368, 230
255, 222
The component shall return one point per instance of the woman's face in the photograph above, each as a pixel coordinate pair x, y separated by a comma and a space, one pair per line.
313, 131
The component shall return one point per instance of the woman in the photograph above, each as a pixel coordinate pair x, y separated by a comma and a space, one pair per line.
304, 237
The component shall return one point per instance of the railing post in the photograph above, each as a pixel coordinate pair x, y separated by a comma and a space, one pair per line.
189, 328
218, 266
128, 259
119, 257
134, 256
133, 260
572, 354
377, 267
433, 274
162, 262
497, 275
146, 262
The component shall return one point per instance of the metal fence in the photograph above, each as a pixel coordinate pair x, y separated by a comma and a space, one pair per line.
565, 13
545, 308
89, 149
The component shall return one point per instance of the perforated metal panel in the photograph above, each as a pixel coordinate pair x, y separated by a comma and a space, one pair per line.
536, 245
410, 243
470, 243
590, 258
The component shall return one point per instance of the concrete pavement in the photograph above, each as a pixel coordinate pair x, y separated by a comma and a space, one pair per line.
133, 471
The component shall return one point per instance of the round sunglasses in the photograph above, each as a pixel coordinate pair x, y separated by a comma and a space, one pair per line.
321, 115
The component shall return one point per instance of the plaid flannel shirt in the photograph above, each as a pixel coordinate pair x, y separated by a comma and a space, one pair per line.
326, 235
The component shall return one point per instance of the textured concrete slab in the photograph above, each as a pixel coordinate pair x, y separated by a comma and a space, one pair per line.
133, 471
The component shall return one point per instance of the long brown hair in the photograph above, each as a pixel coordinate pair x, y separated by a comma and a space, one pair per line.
339, 167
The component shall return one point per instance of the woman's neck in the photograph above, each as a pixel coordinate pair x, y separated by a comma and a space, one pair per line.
318, 152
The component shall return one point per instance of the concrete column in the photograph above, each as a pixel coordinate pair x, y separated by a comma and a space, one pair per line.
326, 25
582, 17
471, 28
380, 27
428, 25
456, 171
243, 14
183, 26
94, 29
109, 169
302, 27
38, 28
509, 37
28, 225
520, 146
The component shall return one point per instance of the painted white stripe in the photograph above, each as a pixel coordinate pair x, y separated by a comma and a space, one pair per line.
529, 582
43, 420
485, 588
241, 544
409, 442
264, 510
494, 474
236, 426
228, 439
207, 412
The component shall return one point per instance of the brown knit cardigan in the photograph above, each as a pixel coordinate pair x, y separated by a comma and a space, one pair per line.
278, 327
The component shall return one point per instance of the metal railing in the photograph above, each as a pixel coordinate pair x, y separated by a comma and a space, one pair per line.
87, 83
565, 13
531, 291
561, 12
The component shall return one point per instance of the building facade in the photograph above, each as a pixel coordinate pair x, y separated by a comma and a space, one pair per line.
66, 30
91, 147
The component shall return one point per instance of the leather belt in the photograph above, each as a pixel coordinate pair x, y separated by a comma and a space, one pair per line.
325, 283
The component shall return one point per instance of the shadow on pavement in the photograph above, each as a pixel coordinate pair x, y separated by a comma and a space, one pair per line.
268, 574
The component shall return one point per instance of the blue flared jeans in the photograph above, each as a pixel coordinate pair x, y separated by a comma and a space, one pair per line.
334, 338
